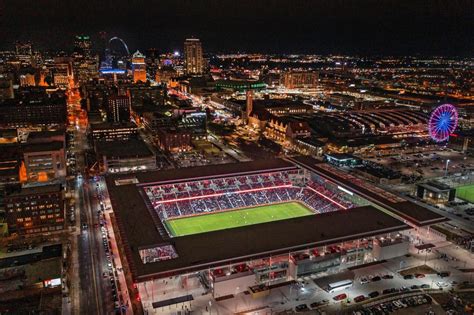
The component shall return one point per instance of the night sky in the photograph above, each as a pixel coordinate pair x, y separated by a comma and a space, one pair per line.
296, 26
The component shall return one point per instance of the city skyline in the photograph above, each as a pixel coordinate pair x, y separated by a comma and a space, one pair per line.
342, 27
236, 157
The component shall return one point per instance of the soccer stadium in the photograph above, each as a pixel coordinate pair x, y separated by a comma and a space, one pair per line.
247, 227
215, 204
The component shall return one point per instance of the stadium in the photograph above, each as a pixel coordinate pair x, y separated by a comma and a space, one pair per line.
247, 227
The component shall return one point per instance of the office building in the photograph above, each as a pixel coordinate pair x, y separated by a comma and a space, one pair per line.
113, 131
62, 71
83, 45
24, 52
138, 67
299, 79
124, 156
44, 161
174, 139
145, 96
34, 209
193, 56
119, 108
33, 109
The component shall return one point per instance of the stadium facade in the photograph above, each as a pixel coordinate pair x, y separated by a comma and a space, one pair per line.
351, 223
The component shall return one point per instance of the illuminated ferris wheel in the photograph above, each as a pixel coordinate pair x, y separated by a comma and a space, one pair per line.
443, 121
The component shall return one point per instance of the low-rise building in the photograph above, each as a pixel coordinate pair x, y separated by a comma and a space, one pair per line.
174, 139
45, 161
124, 156
113, 131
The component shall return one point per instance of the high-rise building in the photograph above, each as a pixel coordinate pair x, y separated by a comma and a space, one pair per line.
193, 56
119, 108
138, 67
23, 48
83, 45
24, 52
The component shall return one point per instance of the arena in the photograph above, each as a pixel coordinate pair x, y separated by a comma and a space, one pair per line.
280, 194
246, 227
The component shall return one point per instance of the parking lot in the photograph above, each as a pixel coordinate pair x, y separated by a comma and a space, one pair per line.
429, 164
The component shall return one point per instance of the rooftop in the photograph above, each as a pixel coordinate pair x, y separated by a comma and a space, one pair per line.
408, 210
127, 148
209, 171
204, 250
41, 147
39, 189
198, 251
110, 125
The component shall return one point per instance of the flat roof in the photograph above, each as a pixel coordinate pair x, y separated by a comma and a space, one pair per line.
44, 146
127, 148
408, 210
208, 171
46, 134
37, 189
199, 251
110, 125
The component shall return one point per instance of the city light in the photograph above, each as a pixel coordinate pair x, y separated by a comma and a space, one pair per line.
201, 158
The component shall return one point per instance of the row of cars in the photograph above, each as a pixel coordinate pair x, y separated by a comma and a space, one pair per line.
108, 252
375, 294
394, 305
313, 306
376, 278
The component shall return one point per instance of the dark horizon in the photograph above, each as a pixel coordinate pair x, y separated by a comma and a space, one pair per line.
364, 27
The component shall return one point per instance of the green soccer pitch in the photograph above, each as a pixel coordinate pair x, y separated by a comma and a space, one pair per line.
235, 218
465, 193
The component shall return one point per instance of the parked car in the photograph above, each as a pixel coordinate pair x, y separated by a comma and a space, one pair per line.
444, 274
359, 298
302, 308
374, 294
376, 278
340, 297
388, 291
364, 280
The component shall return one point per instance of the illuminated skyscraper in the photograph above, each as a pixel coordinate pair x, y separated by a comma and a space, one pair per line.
138, 67
23, 48
193, 56
119, 108
24, 51
83, 45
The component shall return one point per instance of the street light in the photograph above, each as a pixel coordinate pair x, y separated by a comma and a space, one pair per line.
446, 170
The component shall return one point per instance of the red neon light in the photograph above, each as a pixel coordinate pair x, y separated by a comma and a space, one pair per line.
220, 194
326, 197
253, 190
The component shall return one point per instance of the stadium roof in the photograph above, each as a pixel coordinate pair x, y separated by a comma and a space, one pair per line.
209, 171
408, 210
200, 251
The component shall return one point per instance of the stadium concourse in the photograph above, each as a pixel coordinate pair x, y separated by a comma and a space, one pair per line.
221, 230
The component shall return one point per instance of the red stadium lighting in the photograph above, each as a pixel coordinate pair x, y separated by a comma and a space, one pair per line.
326, 197
220, 194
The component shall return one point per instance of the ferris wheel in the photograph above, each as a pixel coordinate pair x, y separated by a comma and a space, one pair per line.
443, 121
